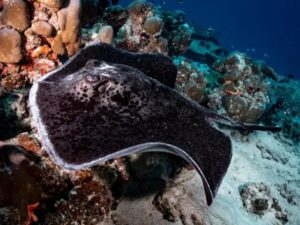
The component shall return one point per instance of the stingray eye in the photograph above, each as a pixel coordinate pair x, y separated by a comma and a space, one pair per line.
92, 78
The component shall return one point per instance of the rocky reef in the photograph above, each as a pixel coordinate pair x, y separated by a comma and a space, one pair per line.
244, 90
263, 180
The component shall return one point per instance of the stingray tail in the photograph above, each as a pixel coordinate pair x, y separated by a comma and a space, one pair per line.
242, 126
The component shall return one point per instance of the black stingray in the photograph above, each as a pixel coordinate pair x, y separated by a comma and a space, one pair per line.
101, 111
158, 66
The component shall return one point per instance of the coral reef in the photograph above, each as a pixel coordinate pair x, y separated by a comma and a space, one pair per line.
77, 195
191, 80
149, 29
33, 34
244, 90
142, 30
177, 32
262, 182
67, 39
15, 14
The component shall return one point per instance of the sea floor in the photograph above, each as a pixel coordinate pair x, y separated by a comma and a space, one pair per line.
265, 163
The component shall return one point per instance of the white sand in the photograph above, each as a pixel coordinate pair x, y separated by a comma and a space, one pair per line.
275, 163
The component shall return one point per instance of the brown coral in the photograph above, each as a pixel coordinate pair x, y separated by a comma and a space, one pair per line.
43, 28
10, 45
15, 14
67, 39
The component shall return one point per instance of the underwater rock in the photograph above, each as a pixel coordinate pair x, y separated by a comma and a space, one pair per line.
243, 94
15, 14
141, 32
151, 29
180, 201
175, 205
256, 198
190, 79
88, 203
10, 45
58, 195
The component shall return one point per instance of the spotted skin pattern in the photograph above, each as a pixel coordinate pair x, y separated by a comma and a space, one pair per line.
104, 108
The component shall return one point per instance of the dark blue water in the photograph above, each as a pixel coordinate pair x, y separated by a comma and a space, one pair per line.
265, 29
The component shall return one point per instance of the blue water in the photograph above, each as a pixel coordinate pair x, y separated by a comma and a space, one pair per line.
264, 29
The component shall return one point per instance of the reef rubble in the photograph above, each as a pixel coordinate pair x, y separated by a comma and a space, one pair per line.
263, 180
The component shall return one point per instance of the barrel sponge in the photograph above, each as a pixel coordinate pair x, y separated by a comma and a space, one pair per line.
10, 45
68, 39
15, 14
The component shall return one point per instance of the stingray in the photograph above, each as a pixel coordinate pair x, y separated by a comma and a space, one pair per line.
91, 111
157, 66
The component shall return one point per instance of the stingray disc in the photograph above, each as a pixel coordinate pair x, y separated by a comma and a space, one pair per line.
102, 110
